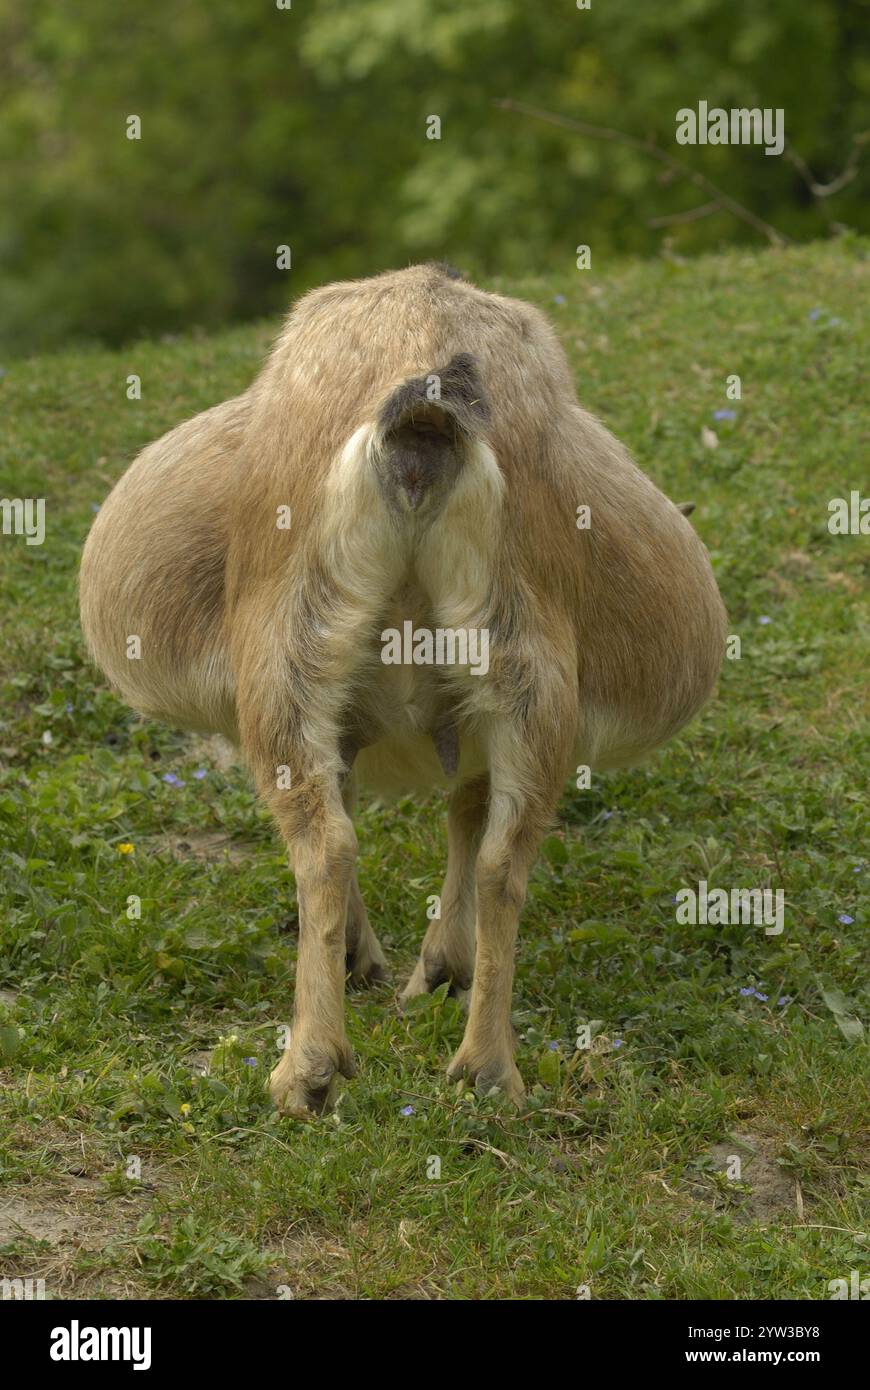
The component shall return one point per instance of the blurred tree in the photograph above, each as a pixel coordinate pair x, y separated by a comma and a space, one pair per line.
308, 127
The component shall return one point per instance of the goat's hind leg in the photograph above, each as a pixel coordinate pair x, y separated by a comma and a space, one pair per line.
365, 961
322, 848
299, 778
528, 767
290, 736
334, 936
447, 952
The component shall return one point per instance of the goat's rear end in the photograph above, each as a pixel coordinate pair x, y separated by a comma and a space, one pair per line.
405, 554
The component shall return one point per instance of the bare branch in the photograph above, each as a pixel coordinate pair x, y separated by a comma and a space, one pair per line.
692, 215
848, 173
600, 132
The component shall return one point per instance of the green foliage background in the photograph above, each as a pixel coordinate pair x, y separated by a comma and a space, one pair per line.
307, 126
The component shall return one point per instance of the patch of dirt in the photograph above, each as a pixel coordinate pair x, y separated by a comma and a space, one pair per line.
41, 1220
797, 562
58, 1226
837, 579
216, 750
59, 1230
269, 1287
205, 846
762, 1192
43, 1234
198, 1063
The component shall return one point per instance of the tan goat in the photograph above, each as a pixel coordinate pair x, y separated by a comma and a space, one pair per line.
426, 439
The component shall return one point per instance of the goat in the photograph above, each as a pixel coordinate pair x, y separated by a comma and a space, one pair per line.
423, 439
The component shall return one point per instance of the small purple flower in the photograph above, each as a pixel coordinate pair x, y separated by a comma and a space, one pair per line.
171, 780
250, 1061
68, 707
407, 1110
813, 315
783, 1000
759, 995
764, 620
617, 1042
747, 991
558, 299
724, 414
200, 773
553, 1046
845, 919
606, 815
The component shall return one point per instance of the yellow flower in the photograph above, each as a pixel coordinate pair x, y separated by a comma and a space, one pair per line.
125, 848
185, 1108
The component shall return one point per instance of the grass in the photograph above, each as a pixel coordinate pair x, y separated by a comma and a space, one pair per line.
129, 1171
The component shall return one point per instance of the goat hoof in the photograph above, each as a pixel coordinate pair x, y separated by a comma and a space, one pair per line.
362, 977
364, 968
489, 1074
415, 986
305, 1081
429, 973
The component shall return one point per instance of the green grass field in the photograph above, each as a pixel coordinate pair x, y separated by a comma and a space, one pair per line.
140, 1156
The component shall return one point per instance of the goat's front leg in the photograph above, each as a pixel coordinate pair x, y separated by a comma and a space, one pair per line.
524, 792
322, 848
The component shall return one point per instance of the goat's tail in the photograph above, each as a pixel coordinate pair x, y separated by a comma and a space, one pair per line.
423, 432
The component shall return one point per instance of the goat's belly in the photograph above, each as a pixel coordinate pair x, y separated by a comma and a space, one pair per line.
615, 734
611, 738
